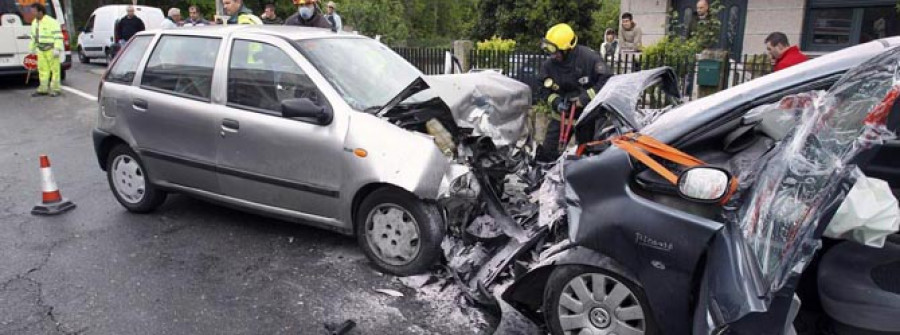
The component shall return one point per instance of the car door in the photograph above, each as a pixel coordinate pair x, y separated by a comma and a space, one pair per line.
268, 159
886, 163
170, 116
89, 45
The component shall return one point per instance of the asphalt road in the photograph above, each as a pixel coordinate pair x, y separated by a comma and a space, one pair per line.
188, 268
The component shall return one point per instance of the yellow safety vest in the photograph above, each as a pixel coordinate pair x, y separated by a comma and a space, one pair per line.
246, 18
46, 34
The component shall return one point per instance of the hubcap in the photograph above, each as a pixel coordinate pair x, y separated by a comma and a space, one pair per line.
128, 179
392, 234
599, 318
598, 304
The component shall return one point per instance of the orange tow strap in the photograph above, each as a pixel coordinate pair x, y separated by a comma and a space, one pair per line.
641, 147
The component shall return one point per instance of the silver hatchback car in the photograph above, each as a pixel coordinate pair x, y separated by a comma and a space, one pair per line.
332, 130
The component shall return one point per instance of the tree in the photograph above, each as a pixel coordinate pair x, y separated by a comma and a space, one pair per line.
526, 21
377, 17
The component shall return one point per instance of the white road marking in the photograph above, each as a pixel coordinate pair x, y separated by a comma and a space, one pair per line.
79, 93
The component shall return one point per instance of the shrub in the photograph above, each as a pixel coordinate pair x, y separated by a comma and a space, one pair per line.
497, 44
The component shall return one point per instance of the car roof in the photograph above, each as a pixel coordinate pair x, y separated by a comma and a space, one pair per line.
289, 32
686, 118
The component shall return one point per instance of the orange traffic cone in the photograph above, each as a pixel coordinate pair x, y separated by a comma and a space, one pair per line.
53, 203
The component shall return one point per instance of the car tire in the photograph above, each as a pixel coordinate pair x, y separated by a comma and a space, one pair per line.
399, 233
62, 74
623, 303
84, 59
129, 182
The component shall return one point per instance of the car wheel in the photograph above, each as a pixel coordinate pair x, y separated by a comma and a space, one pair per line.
586, 300
399, 233
62, 73
129, 183
82, 57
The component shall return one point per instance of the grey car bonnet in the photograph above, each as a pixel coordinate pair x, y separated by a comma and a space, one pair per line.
621, 93
489, 103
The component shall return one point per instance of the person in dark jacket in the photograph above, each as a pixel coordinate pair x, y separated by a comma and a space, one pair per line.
307, 15
571, 78
269, 16
128, 26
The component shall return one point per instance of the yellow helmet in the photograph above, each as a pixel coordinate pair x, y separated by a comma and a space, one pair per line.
560, 37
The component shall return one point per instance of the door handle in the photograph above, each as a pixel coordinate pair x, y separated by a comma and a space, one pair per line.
23, 37
140, 104
230, 125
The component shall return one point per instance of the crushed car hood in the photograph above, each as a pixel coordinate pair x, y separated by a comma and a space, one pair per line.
621, 93
485, 103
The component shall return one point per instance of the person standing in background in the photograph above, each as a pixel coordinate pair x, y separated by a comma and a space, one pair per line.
128, 26
269, 16
173, 20
610, 47
782, 53
630, 34
195, 18
47, 43
307, 15
334, 18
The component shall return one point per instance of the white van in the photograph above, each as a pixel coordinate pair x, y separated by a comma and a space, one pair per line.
15, 34
98, 34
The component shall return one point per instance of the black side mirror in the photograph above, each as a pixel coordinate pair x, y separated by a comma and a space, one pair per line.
305, 108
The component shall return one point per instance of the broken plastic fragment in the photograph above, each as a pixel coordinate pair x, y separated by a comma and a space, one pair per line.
393, 293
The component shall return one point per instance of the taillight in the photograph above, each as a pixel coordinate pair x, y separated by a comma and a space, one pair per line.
66, 39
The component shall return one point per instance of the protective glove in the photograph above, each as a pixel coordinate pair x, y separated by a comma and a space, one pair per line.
562, 105
57, 53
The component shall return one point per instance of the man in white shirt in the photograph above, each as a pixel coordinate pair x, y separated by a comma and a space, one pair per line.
173, 20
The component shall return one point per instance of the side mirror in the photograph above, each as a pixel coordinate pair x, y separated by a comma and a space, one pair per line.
305, 108
705, 184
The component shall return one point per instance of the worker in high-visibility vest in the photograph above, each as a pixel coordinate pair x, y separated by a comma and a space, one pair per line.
47, 43
239, 13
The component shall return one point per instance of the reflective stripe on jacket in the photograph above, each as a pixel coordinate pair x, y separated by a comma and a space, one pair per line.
46, 34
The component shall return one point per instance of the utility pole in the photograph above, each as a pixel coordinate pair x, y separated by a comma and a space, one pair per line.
70, 17
220, 9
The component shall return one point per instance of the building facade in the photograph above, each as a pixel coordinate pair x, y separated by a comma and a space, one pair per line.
817, 26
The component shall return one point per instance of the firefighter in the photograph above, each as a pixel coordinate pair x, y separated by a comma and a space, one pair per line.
307, 15
571, 78
47, 43
239, 14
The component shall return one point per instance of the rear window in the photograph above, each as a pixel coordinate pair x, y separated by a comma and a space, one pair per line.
127, 64
182, 65
23, 9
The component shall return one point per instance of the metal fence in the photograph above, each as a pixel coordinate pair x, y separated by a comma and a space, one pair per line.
428, 60
525, 66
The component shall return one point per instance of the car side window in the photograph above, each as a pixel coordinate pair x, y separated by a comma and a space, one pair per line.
125, 67
182, 65
261, 76
89, 27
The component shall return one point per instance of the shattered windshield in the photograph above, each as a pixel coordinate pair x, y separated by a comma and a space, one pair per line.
798, 185
366, 73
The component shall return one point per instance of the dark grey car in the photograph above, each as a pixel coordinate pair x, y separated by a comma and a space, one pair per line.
641, 259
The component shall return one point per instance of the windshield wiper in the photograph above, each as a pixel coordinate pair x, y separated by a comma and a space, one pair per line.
373, 109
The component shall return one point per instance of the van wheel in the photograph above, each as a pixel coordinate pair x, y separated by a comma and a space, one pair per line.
399, 233
587, 300
82, 57
129, 182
